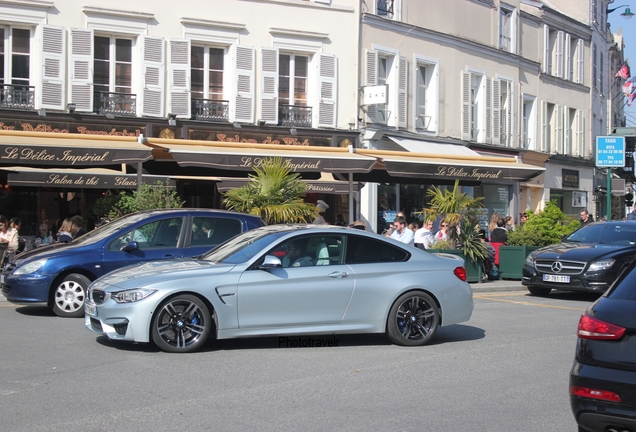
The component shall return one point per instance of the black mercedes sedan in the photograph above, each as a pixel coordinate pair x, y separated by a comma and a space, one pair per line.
603, 376
588, 260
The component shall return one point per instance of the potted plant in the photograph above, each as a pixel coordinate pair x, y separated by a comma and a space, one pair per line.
545, 228
459, 210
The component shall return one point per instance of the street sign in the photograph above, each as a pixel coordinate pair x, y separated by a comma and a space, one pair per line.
610, 152
618, 187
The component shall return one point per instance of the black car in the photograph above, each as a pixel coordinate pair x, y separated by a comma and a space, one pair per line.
588, 260
58, 275
603, 377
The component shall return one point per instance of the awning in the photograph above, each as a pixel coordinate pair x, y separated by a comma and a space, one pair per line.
460, 167
246, 156
78, 178
325, 184
416, 146
57, 149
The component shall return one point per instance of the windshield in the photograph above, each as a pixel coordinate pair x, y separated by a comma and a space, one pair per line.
243, 247
106, 230
607, 233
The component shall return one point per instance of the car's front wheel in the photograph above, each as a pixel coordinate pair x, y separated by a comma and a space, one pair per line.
413, 319
181, 324
539, 291
69, 296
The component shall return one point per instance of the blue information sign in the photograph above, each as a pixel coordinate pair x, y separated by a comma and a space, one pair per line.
610, 152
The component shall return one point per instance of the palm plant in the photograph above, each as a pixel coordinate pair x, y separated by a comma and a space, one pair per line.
273, 193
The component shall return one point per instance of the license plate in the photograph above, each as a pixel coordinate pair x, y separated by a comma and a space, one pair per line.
90, 309
556, 278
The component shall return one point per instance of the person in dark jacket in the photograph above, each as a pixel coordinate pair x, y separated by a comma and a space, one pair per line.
586, 218
499, 234
78, 226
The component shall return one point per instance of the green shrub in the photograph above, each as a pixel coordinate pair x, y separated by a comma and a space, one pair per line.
546, 228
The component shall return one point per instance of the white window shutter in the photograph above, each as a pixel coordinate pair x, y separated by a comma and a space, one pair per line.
546, 49
244, 96
269, 85
81, 69
559, 54
371, 79
402, 96
580, 133
489, 90
508, 139
179, 99
328, 88
567, 139
579, 61
466, 116
559, 129
545, 127
567, 72
153, 80
51, 92
496, 112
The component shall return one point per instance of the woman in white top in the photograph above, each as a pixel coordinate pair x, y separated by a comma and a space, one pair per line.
9, 236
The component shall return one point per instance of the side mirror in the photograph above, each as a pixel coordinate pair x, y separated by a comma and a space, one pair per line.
131, 246
269, 262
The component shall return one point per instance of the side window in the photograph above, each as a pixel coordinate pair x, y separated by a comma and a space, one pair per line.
308, 251
153, 235
362, 250
211, 231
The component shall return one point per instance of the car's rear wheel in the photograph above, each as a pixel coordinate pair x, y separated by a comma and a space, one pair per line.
181, 324
539, 291
69, 296
413, 319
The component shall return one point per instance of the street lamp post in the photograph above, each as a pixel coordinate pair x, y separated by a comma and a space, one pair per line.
626, 14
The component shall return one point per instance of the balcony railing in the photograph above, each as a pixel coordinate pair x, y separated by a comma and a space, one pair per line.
210, 110
294, 115
117, 104
17, 96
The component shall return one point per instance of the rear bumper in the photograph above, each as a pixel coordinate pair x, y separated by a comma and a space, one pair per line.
598, 415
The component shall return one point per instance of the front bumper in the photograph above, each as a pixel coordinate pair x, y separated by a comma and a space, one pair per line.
597, 415
124, 322
27, 289
584, 282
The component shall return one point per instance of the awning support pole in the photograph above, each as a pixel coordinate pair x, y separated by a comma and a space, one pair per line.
351, 203
139, 168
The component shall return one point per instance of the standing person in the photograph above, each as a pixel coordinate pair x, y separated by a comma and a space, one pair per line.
523, 219
493, 222
509, 223
78, 226
10, 237
424, 237
14, 224
586, 218
499, 234
632, 215
320, 218
64, 233
340, 220
401, 232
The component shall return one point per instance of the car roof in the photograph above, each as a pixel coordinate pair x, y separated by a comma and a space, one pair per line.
196, 210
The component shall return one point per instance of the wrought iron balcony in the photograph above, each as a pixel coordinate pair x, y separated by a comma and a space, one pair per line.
210, 110
294, 115
117, 104
17, 96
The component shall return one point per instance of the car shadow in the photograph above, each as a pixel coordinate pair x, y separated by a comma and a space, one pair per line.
35, 311
570, 295
450, 334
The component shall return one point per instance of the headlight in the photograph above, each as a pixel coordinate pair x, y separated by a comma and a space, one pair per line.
31, 267
530, 260
131, 296
601, 265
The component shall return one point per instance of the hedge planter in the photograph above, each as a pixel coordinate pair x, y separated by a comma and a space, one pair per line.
473, 270
511, 259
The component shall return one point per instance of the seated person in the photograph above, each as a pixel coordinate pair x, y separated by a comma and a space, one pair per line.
297, 256
499, 234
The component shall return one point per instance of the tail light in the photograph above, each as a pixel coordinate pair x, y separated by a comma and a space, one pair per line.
587, 392
460, 272
593, 328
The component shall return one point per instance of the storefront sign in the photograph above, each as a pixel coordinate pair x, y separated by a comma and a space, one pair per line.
45, 155
570, 178
65, 128
256, 138
81, 180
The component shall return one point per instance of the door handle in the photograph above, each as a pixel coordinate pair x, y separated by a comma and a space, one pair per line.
338, 275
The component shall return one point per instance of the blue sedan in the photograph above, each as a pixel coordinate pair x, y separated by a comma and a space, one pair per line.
283, 280
58, 275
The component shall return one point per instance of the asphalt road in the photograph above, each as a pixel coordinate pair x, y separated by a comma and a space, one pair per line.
505, 370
